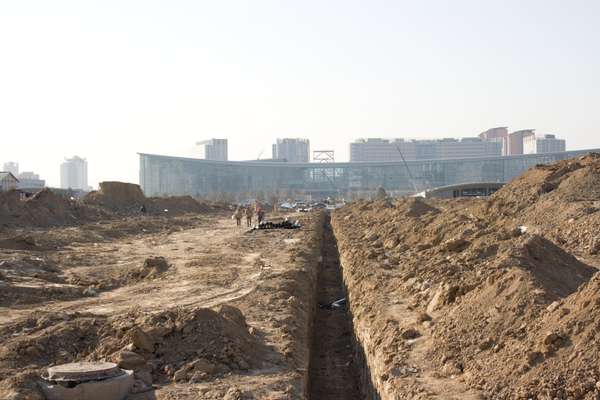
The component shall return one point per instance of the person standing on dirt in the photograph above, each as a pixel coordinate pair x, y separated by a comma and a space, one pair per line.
260, 214
248, 216
238, 216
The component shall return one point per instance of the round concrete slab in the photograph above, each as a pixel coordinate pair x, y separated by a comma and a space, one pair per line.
83, 372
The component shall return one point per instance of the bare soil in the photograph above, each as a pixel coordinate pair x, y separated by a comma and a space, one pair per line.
197, 307
484, 298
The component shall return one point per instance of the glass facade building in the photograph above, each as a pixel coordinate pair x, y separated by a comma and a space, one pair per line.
167, 176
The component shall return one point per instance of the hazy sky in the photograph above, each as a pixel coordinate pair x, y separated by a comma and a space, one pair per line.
107, 79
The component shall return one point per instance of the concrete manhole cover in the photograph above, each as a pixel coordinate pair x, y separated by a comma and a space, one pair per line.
83, 372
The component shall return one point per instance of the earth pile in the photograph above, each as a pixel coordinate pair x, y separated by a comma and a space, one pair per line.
175, 345
128, 198
493, 296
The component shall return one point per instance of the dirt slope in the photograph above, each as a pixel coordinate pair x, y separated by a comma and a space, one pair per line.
492, 299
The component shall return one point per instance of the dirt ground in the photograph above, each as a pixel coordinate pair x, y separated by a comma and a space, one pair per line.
495, 298
196, 306
484, 298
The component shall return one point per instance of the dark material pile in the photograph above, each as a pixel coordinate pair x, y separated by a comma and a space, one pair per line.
279, 225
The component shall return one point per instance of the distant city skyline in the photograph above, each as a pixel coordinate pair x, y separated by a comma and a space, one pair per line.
108, 80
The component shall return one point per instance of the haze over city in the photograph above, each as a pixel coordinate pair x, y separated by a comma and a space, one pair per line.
107, 80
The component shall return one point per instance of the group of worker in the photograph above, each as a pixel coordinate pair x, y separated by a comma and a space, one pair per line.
249, 212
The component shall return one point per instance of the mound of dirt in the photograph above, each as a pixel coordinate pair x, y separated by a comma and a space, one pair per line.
494, 291
174, 345
153, 267
176, 205
128, 198
560, 201
44, 209
117, 196
416, 207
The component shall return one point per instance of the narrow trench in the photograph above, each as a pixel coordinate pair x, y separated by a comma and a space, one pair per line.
334, 368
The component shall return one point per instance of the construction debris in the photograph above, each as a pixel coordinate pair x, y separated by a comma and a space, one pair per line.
285, 224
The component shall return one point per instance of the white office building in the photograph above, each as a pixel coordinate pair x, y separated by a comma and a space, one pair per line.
74, 174
293, 150
213, 149
543, 144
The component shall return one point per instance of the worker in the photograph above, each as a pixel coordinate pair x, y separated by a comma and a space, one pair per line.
143, 209
238, 216
248, 216
260, 214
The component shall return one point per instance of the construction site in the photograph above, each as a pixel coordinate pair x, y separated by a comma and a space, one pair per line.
119, 296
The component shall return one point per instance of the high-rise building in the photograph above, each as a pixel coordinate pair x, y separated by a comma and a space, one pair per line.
543, 144
376, 149
499, 135
213, 149
12, 167
292, 150
74, 173
516, 140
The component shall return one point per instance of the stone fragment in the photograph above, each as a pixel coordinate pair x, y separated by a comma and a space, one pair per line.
204, 366
456, 245
553, 306
595, 246
181, 374
130, 360
233, 394
142, 340
410, 333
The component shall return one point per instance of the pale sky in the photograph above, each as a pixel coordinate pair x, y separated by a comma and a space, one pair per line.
107, 79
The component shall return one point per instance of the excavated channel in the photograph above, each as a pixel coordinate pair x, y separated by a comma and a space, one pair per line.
335, 368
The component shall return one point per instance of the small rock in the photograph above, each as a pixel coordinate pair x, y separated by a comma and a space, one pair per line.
595, 246
411, 333
90, 292
451, 368
372, 236
456, 245
233, 394
427, 324
390, 243
180, 375
141, 340
533, 357
130, 360
553, 306
486, 345
198, 377
204, 366
422, 317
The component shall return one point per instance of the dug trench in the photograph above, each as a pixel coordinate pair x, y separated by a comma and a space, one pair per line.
336, 364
